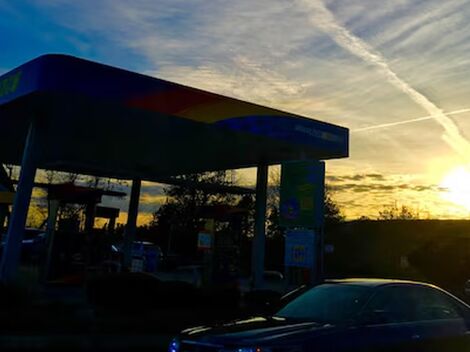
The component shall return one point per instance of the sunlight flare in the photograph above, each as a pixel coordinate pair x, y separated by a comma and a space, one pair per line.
456, 186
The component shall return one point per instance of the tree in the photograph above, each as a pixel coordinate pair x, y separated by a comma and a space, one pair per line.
178, 215
395, 213
333, 213
178, 220
273, 201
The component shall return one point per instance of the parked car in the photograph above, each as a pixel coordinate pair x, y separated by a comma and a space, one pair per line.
33, 244
148, 253
192, 274
30, 235
272, 281
345, 315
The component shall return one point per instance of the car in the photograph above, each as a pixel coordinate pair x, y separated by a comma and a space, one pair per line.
30, 236
33, 244
344, 315
272, 281
192, 274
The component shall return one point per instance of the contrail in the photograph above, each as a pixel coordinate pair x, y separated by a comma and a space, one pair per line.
322, 18
404, 122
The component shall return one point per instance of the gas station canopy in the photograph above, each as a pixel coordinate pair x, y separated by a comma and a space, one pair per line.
101, 120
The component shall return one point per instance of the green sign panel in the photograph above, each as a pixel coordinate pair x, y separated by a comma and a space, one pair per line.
302, 193
10, 83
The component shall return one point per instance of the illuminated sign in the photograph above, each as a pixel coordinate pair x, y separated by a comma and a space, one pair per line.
9, 84
300, 248
204, 240
302, 192
327, 136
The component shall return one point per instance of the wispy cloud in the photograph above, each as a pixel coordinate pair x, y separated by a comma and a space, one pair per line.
355, 177
322, 18
366, 194
383, 188
414, 67
405, 122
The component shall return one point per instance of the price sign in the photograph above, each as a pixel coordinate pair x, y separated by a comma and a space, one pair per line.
300, 248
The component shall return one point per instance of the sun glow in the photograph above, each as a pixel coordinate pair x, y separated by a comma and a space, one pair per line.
456, 186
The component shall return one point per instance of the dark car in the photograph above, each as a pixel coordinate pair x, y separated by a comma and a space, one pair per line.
32, 244
345, 315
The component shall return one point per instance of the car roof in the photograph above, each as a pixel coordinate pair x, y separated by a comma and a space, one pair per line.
375, 282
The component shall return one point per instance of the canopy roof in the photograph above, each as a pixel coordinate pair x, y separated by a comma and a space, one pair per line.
101, 120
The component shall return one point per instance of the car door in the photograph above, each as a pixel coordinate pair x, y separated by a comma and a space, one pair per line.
412, 318
387, 322
441, 321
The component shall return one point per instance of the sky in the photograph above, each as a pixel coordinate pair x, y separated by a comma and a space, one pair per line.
394, 72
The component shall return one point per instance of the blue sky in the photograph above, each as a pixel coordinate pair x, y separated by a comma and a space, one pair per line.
311, 57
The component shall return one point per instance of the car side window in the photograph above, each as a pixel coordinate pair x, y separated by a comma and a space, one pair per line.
391, 304
432, 304
399, 304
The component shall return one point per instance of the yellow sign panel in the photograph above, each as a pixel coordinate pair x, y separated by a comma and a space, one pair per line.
7, 197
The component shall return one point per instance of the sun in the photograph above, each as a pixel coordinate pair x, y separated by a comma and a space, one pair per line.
456, 186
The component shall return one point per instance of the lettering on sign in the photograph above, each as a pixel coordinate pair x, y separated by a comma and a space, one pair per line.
9, 84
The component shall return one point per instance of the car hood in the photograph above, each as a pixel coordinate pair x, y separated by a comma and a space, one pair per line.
255, 330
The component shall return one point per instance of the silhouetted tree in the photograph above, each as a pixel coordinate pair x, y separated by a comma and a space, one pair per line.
395, 213
333, 213
178, 220
178, 215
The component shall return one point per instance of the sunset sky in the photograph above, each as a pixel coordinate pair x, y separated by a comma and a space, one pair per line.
396, 73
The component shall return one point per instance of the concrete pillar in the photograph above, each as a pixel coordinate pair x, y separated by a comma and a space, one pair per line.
319, 271
12, 251
50, 232
131, 226
111, 225
258, 247
90, 212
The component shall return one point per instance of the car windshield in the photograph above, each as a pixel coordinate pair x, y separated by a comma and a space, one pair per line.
328, 303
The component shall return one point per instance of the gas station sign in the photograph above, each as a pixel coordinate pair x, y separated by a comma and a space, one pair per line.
300, 248
204, 239
302, 193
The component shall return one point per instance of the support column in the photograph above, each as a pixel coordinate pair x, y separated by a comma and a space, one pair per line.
6, 186
131, 226
258, 247
319, 202
90, 212
12, 250
50, 233
111, 225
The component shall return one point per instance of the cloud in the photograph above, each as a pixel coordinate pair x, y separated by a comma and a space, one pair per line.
264, 51
322, 18
265, 86
405, 122
152, 199
355, 177
385, 188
